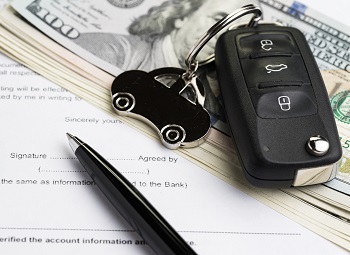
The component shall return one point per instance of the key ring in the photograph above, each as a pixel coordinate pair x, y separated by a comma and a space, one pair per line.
191, 62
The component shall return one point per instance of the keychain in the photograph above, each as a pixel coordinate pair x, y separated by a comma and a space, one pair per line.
170, 99
274, 96
155, 98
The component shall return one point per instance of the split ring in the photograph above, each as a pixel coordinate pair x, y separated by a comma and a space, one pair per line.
216, 28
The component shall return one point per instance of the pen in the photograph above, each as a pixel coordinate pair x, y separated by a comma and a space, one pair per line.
130, 203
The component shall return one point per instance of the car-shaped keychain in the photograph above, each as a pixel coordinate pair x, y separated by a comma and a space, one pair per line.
159, 99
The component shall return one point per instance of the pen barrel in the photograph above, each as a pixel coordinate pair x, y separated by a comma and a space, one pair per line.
132, 205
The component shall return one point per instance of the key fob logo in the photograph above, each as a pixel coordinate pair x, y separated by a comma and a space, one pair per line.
284, 102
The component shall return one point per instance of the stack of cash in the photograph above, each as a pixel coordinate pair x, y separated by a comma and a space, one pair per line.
82, 46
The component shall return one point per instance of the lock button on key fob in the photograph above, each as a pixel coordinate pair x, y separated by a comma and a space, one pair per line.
277, 106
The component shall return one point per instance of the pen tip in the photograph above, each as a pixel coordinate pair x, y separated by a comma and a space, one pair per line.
69, 135
74, 141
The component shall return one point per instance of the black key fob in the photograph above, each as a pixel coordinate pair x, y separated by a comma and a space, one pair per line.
277, 106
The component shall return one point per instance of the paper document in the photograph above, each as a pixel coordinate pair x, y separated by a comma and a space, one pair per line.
49, 204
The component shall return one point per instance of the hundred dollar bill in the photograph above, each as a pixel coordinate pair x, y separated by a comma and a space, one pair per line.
329, 41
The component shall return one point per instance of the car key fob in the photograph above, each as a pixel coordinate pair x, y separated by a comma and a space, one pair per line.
277, 106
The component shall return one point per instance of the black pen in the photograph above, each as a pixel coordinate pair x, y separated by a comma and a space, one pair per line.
129, 202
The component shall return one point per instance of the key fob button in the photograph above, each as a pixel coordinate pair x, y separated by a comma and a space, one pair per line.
274, 69
266, 43
317, 145
284, 102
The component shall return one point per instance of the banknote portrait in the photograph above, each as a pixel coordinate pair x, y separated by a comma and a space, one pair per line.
125, 3
163, 37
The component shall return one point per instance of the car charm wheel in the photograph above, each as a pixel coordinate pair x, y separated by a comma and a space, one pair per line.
173, 135
123, 102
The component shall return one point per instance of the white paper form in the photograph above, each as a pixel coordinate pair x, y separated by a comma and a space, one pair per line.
49, 204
